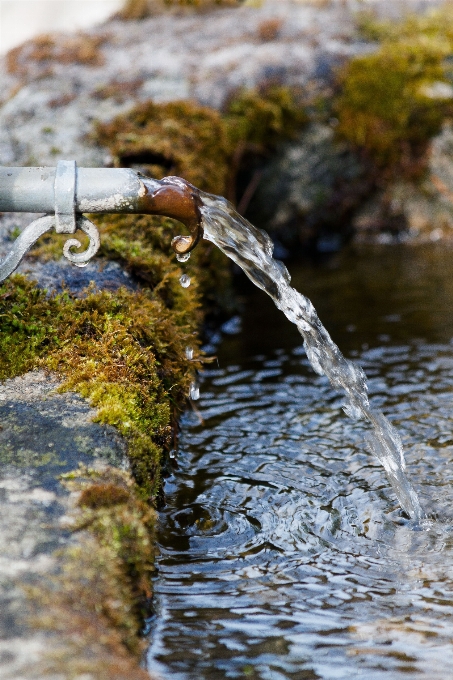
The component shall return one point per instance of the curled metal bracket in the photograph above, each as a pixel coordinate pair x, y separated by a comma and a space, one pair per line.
31, 234
82, 259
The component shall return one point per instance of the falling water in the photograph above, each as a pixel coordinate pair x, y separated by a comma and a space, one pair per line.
184, 280
252, 250
194, 391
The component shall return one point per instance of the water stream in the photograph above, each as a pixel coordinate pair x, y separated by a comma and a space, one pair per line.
252, 250
285, 554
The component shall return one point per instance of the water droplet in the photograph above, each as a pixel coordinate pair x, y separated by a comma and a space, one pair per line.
182, 257
194, 392
189, 353
184, 281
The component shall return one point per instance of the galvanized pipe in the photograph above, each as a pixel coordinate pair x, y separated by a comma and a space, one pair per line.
65, 192
114, 190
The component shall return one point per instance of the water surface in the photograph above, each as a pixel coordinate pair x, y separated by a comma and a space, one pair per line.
284, 553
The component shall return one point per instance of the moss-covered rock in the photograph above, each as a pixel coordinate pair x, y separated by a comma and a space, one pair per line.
393, 107
124, 352
393, 101
178, 138
38, 55
204, 146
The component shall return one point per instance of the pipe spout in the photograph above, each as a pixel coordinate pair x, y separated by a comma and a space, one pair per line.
179, 200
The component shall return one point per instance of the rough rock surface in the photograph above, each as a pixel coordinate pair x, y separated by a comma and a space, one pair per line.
315, 183
43, 434
49, 106
308, 184
425, 208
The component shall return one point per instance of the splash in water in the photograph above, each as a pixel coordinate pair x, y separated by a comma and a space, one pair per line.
252, 250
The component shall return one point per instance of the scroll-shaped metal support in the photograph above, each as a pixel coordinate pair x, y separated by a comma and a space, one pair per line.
65, 192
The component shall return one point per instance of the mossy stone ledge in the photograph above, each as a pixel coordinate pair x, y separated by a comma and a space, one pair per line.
125, 352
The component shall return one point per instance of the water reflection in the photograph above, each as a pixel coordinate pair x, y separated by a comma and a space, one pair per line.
284, 552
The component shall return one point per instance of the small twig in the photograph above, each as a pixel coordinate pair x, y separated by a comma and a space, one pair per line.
248, 193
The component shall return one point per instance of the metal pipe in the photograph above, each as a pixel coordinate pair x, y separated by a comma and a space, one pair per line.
65, 192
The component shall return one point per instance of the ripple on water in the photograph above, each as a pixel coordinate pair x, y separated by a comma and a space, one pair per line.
284, 551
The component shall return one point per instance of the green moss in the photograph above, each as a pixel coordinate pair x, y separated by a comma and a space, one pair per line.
26, 458
124, 352
178, 138
434, 24
386, 107
141, 244
198, 143
264, 116
101, 592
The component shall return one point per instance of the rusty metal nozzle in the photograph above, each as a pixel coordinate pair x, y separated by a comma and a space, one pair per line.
180, 200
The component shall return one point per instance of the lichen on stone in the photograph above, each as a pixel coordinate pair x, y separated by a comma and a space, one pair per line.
37, 55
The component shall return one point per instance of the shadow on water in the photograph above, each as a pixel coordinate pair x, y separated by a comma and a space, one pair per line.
284, 553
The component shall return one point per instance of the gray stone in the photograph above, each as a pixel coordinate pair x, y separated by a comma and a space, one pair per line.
311, 181
206, 57
43, 434
61, 274
418, 210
